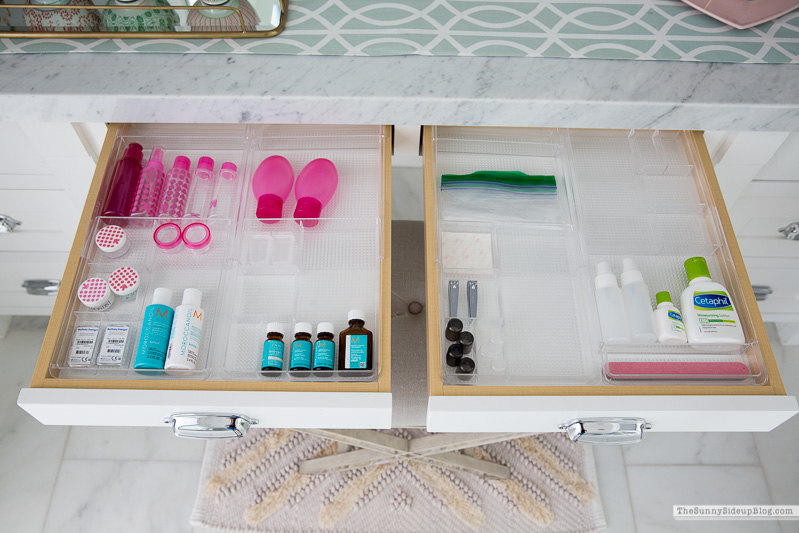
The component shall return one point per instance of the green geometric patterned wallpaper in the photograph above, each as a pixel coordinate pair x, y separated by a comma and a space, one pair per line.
606, 29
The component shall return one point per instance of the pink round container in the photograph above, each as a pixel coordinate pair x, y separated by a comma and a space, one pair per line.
124, 283
95, 294
197, 237
112, 241
167, 237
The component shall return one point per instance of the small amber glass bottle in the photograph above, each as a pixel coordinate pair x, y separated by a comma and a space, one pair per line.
355, 345
301, 348
272, 360
324, 350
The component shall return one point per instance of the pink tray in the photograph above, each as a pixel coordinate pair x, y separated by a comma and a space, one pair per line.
743, 14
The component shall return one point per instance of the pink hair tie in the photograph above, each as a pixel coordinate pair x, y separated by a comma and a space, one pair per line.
196, 236
167, 236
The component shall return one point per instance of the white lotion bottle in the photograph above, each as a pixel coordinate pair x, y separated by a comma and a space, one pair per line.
708, 312
187, 330
638, 304
610, 306
668, 321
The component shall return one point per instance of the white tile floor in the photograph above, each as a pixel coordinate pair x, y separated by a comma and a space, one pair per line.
87, 480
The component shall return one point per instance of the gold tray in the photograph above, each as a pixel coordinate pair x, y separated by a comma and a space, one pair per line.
243, 33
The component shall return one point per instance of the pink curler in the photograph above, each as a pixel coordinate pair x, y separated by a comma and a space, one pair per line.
196, 236
167, 236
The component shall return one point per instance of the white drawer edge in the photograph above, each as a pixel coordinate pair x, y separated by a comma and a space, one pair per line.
94, 407
665, 413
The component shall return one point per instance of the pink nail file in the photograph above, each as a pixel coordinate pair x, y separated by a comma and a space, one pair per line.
683, 370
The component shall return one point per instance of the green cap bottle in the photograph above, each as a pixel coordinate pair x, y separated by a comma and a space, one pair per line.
663, 296
696, 267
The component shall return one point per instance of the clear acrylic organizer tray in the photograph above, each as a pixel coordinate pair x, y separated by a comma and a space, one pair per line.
637, 194
253, 272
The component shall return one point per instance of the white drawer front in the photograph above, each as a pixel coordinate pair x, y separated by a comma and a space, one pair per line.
664, 413
93, 407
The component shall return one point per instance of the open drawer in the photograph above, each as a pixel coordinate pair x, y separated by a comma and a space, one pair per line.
524, 258
253, 273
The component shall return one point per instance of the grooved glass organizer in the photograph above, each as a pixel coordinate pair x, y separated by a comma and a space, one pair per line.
637, 194
253, 273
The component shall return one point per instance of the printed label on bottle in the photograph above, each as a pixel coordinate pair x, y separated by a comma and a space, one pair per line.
273, 354
113, 346
712, 301
355, 354
324, 354
184, 340
675, 321
301, 354
80, 354
714, 311
155, 336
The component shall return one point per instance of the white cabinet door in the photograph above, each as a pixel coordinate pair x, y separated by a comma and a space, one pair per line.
22, 266
44, 179
771, 259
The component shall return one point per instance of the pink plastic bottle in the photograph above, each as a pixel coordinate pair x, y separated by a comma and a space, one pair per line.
151, 181
271, 184
316, 185
176, 189
123, 182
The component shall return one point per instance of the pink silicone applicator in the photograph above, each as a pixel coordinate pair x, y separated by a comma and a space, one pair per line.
271, 185
316, 185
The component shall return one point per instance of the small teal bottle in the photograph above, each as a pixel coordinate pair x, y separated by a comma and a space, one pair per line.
301, 350
154, 338
272, 359
324, 350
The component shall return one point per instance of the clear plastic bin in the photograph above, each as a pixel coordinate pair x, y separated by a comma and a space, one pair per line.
252, 273
637, 194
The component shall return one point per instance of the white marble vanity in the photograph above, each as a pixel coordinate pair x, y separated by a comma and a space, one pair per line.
414, 90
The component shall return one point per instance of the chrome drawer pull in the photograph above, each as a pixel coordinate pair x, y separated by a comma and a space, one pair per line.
761, 292
44, 287
8, 223
209, 425
791, 231
606, 430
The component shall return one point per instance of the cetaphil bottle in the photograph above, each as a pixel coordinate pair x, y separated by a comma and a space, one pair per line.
708, 312
668, 320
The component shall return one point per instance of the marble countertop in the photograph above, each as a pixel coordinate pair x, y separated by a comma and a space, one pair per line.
493, 91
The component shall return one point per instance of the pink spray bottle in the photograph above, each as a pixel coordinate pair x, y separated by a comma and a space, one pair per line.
124, 182
316, 185
271, 185
151, 180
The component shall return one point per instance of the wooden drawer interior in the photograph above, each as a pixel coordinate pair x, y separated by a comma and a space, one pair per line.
346, 256
648, 195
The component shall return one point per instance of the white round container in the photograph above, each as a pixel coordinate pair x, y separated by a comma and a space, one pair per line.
112, 241
124, 283
95, 294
